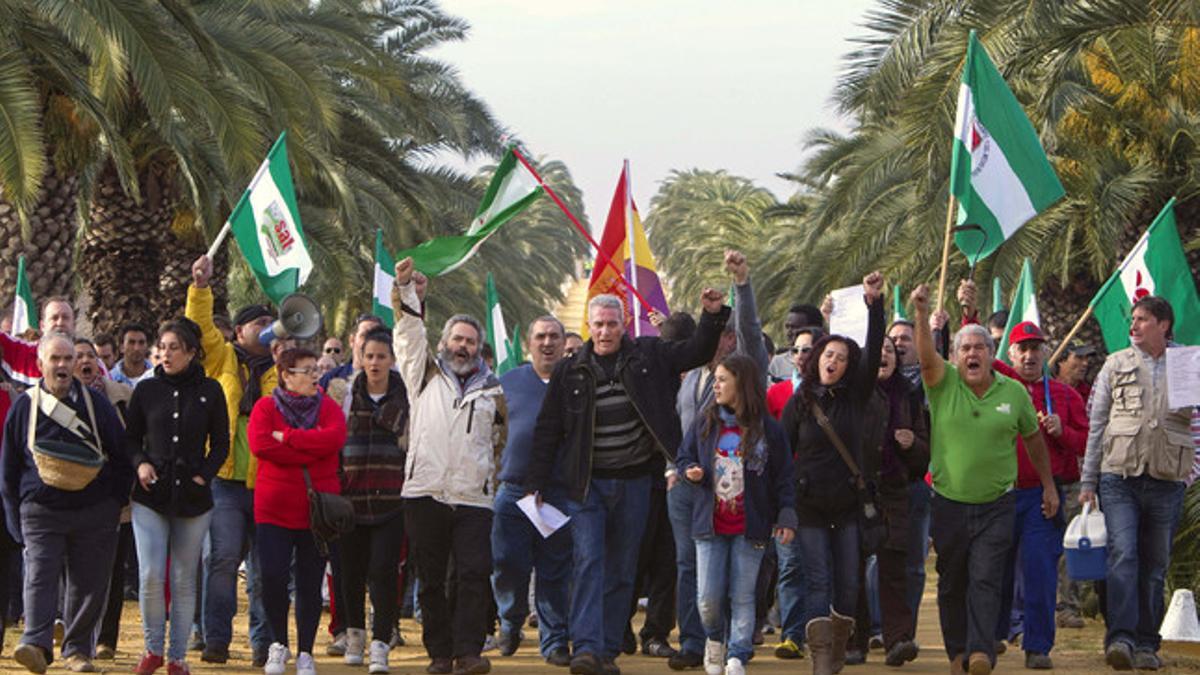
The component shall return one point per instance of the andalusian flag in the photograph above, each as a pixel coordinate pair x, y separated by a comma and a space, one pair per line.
625, 242
25, 314
381, 301
998, 171
1155, 266
512, 190
266, 223
897, 305
1024, 308
997, 296
506, 357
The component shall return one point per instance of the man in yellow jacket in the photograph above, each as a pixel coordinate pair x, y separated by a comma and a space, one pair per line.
245, 369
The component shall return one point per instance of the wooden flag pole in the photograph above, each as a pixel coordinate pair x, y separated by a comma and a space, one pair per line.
1087, 313
951, 208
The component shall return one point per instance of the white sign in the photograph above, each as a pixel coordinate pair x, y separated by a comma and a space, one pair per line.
1183, 377
849, 316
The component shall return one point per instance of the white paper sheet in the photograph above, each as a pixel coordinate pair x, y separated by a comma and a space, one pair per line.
849, 316
545, 518
1183, 377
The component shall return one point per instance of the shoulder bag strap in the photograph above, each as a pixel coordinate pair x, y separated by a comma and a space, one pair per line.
307, 479
823, 422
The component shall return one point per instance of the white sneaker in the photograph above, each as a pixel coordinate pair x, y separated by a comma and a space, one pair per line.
356, 642
277, 659
714, 657
735, 666
305, 664
379, 657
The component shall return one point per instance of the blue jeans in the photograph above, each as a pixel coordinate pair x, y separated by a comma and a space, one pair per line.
919, 495
727, 568
606, 530
1140, 514
792, 595
517, 548
831, 569
1035, 562
156, 536
679, 507
871, 583
231, 537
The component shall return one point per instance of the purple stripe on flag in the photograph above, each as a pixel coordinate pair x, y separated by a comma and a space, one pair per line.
651, 288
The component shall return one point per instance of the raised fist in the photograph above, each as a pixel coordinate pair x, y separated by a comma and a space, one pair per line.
712, 300
873, 286
202, 271
920, 299
404, 271
735, 265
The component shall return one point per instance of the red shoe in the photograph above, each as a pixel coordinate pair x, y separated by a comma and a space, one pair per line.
178, 668
148, 664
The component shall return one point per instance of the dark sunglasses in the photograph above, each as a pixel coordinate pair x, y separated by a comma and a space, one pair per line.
800, 350
333, 350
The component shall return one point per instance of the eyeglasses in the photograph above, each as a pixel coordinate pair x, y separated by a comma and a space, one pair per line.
333, 350
801, 350
311, 371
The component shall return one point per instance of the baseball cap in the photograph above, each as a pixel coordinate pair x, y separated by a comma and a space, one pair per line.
1025, 331
1081, 348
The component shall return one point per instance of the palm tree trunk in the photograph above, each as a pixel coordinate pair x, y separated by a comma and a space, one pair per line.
49, 252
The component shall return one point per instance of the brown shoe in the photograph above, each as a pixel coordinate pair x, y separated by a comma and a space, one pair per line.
31, 656
472, 665
78, 663
105, 653
956, 666
440, 667
979, 664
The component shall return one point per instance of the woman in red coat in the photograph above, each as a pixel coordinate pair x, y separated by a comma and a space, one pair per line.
294, 429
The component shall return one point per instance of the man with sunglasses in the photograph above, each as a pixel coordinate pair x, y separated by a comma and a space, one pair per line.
333, 349
802, 345
364, 324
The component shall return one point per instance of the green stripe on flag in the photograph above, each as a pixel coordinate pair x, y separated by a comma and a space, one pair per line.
25, 312
381, 296
1024, 308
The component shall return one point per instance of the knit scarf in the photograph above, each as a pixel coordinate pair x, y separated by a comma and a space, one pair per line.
251, 385
299, 412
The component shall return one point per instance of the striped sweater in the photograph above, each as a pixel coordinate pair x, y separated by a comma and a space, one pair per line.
374, 454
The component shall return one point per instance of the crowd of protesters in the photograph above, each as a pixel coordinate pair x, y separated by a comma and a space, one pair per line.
739, 492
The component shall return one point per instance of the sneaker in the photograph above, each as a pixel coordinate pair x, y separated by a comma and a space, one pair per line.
105, 653
148, 664
1036, 661
489, 643
356, 644
305, 664
1119, 656
875, 643
559, 656
32, 657
78, 663
378, 653
508, 643
1144, 659
472, 665
685, 660
216, 654
178, 668
657, 648
277, 659
788, 649
735, 666
338, 646
714, 657
440, 666
196, 643
902, 652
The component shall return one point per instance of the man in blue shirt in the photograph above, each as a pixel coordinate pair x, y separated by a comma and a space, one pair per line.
517, 547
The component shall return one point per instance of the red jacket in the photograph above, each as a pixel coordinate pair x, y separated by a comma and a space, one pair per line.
777, 398
1065, 450
280, 496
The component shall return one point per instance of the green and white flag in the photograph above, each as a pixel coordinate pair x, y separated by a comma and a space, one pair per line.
512, 190
897, 305
506, 358
266, 223
997, 296
1024, 308
998, 170
381, 302
1155, 266
24, 308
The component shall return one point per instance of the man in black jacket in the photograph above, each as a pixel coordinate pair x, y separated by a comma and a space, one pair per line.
71, 529
608, 411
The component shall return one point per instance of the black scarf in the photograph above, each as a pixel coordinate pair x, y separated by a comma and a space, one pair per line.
251, 382
391, 412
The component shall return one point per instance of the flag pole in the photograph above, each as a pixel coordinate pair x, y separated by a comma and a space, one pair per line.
951, 207
1087, 313
607, 259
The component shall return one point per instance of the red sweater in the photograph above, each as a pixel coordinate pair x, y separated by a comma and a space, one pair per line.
1065, 450
280, 496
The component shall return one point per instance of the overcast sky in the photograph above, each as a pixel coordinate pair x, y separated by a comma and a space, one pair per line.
668, 84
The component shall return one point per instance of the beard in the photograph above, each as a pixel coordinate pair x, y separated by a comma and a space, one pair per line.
461, 362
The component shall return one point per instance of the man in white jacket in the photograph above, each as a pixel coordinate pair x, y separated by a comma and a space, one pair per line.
456, 429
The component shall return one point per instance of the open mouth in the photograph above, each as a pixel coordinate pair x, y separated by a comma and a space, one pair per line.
974, 366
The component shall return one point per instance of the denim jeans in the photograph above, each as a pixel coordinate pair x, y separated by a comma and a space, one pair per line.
158, 536
919, 494
830, 570
792, 595
518, 548
606, 530
1141, 514
231, 538
1035, 560
679, 507
726, 571
973, 543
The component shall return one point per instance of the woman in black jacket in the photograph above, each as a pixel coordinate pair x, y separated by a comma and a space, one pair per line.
839, 381
178, 435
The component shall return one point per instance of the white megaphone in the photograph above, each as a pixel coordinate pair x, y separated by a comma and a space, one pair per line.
299, 318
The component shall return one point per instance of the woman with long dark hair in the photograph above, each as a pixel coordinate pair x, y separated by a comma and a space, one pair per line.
738, 456
296, 429
177, 430
827, 410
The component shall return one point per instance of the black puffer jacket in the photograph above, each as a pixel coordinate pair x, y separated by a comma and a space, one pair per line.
649, 369
179, 424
